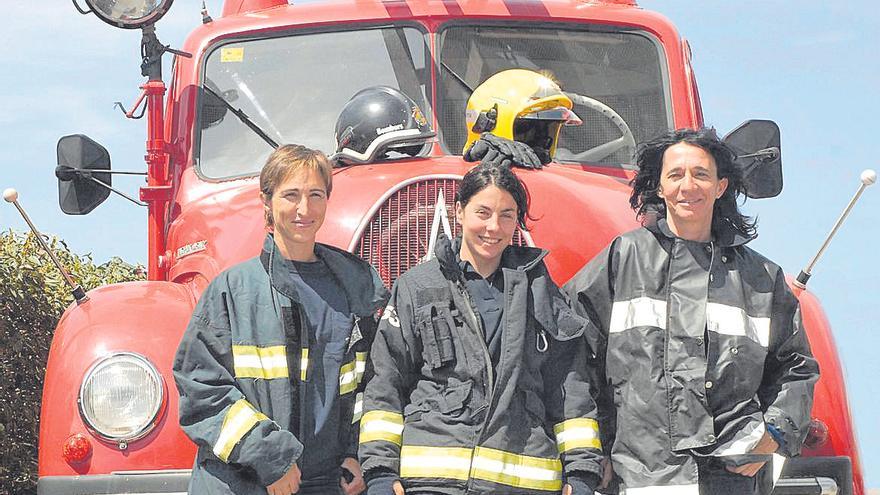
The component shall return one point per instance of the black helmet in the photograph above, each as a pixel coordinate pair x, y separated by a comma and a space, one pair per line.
377, 120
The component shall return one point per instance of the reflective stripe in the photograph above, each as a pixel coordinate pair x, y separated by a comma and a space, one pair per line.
435, 462
516, 470
360, 365
578, 433
347, 381
239, 420
358, 407
638, 312
663, 490
743, 444
731, 320
381, 425
259, 362
304, 364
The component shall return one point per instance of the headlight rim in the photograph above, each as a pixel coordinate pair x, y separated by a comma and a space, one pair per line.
150, 425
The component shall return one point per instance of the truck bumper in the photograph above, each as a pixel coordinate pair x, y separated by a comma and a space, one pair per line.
153, 482
816, 476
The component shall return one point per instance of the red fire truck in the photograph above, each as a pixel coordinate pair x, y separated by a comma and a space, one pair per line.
265, 71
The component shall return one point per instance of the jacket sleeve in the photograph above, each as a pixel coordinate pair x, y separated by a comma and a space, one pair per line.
790, 371
569, 405
390, 376
214, 412
591, 292
353, 406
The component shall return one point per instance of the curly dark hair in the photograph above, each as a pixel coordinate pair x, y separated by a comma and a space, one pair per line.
649, 159
502, 177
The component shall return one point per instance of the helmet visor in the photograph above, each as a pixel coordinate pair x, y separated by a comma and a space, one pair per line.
539, 134
560, 114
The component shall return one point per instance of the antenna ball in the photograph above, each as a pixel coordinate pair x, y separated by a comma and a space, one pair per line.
10, 195
868, 177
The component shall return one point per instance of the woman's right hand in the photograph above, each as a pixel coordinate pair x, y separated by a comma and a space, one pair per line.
287, 484
398, 488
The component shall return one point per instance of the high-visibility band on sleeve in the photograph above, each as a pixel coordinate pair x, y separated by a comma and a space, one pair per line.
435, 462
358, 407
360, 365
239, 420
521, 471
382, 425
304, 364
347, 381
578, 433
259, 362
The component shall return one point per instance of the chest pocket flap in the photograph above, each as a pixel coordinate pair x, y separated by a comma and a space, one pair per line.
435, 325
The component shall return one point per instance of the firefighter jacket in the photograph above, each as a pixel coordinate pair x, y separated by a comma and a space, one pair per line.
701, 348
437, 414
241, 360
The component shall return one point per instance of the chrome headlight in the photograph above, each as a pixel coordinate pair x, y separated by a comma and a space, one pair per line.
121, 397
129, 14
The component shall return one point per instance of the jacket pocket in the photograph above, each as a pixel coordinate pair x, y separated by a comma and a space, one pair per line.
436, 330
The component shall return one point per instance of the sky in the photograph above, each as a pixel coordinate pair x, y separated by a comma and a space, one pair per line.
811, 66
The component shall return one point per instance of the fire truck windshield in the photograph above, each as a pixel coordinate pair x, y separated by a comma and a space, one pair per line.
602, 69
292, 87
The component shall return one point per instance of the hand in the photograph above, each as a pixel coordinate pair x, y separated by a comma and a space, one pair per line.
767, 445
503, 152
398, 488
607, 473
288, 484
357, 484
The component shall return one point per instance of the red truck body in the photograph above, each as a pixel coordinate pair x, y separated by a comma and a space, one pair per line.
201, 224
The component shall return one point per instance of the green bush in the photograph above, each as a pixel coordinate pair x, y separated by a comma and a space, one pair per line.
33, 294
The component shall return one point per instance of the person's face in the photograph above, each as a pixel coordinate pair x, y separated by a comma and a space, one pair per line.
488, 222
298, 206
690, 186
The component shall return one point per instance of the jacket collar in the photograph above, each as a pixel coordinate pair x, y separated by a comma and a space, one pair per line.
362, 286
521, 258
723, 234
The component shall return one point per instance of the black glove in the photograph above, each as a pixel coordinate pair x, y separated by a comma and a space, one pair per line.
582, 483
381, 482
501, 151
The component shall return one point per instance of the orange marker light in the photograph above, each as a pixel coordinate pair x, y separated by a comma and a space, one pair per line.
76, 448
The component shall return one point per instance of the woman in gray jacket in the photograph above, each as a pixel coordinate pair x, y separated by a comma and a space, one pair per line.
704, 361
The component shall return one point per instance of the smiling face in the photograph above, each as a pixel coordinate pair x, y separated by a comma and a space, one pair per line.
298, 205
488, 222
689, 185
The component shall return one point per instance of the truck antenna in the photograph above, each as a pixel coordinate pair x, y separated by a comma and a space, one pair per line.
867, 178
11, 196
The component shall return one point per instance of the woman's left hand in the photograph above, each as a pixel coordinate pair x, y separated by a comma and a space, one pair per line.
357, 484
767, 445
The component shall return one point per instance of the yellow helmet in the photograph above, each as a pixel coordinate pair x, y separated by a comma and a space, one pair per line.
521, 105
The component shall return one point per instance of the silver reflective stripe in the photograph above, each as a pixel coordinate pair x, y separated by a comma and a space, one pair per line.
638, 312
742, 444
730, 320
693, 489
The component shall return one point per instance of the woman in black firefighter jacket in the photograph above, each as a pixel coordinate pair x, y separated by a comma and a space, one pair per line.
270, 368
477, 371
706, 367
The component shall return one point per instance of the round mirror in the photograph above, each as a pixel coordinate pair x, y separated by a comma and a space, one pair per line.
129, 14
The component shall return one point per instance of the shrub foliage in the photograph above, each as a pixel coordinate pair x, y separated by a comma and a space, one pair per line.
33, 295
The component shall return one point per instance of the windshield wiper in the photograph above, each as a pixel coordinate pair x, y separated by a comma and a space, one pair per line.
243, 118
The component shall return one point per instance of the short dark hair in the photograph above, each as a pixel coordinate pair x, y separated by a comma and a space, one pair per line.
502, 177
649, 159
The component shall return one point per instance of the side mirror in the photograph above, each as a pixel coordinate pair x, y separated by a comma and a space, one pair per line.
756, 144
81, 184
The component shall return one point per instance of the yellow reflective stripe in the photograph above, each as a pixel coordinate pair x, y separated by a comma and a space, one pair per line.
522, 471
435, 462
347, 381
360, 365
239, 420
259, 362
303, 364
358, 407
382, 425
577, 433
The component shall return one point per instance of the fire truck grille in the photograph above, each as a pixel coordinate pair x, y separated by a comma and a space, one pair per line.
399, 233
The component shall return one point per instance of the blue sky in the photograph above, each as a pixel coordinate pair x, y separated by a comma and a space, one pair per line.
811, 66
